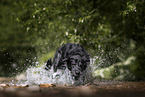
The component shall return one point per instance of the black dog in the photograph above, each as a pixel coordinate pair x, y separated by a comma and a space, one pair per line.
71, 56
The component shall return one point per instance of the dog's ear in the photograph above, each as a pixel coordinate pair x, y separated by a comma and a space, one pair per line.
68, 64
48, 64
85, 62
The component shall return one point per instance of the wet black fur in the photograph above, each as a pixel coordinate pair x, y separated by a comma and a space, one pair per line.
71, 56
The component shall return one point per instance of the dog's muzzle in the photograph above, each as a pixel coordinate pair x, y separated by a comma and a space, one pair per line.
76, 72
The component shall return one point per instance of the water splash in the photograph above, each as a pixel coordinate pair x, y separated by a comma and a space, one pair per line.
38, 75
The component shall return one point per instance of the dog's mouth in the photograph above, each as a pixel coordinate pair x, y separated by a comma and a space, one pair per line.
76, 77
76, 74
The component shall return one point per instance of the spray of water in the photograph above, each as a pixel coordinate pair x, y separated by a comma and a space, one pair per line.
38, 75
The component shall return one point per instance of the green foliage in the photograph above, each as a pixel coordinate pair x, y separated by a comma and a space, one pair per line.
44, 58
118, 71
111, 30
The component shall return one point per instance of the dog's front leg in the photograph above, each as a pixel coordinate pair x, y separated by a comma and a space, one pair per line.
56, 60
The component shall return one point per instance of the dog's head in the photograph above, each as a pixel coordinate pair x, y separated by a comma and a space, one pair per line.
76, 64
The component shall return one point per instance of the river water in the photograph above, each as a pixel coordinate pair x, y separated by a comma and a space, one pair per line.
64, 85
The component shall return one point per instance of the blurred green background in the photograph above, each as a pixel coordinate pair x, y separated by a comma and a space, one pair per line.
112, 31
